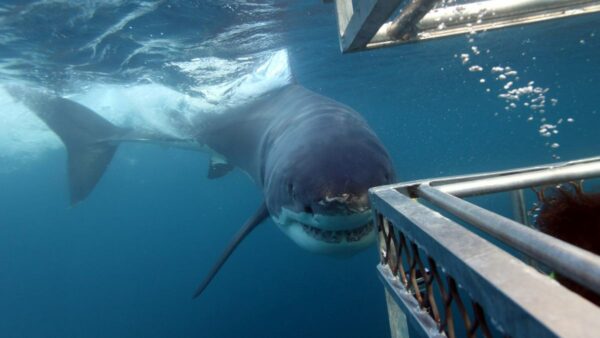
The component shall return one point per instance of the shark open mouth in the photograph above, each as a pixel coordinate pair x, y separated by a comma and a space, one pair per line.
341, 234
336, 236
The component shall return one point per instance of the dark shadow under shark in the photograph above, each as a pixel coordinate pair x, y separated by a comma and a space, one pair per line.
314, 159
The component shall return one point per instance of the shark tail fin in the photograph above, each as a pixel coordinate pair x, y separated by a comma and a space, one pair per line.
86, 166
250, 225
85, 134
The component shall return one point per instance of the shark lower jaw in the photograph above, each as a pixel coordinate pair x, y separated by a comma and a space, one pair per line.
337, 235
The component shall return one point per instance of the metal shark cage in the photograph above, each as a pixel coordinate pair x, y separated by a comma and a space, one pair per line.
440, 273
367, 24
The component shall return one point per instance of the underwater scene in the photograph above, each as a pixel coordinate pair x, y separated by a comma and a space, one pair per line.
138, 138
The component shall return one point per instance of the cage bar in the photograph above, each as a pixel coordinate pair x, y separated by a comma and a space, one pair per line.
367, 24
464, 278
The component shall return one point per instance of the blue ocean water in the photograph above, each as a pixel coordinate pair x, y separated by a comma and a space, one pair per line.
126, 261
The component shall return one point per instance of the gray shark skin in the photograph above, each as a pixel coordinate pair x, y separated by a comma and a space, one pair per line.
313, 158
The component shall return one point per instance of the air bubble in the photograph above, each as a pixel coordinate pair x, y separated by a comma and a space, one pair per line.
465, 58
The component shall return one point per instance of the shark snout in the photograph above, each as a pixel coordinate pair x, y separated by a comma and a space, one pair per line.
330, 204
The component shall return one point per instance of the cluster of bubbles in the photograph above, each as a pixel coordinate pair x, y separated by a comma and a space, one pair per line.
522, 97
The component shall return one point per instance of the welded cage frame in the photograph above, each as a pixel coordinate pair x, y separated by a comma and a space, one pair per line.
368, 24
442, 274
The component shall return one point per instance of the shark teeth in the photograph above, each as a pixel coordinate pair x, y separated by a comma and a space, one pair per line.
336, 236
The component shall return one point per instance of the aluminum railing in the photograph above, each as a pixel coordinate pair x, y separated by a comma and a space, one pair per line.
366, 24
443, 275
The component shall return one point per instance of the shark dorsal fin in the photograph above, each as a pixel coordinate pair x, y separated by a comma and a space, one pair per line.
260, 215
218, 167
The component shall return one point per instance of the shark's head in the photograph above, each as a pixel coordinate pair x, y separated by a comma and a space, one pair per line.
317, 180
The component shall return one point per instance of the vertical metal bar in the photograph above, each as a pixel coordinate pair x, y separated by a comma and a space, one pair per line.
421, 323
519, 211
397, 318
359, 21
405, 25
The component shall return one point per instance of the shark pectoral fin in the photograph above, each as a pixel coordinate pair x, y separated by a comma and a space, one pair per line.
261, 214
218, 167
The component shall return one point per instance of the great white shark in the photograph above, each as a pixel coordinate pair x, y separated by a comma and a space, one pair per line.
313, 158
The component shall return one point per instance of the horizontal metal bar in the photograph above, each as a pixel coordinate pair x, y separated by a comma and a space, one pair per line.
518, 180
501, 11
482, 16
569, 260
520, 300
498, 181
